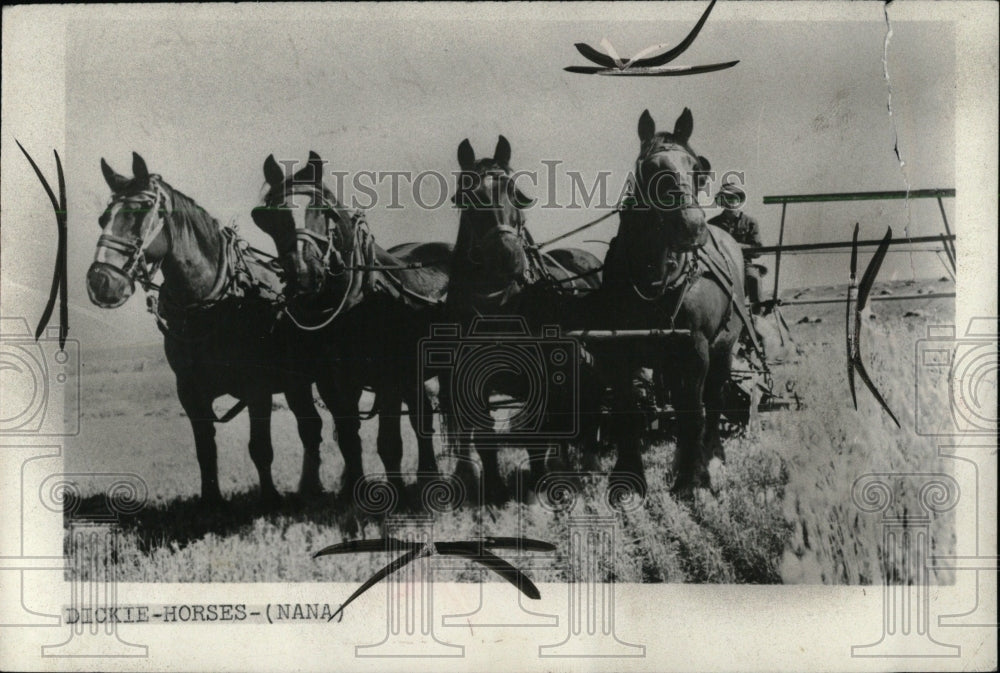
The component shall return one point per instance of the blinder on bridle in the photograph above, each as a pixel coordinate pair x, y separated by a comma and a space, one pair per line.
329, 244
136, 267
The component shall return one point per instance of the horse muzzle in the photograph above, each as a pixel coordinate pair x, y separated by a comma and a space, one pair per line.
690, 230
305, 276
108, 286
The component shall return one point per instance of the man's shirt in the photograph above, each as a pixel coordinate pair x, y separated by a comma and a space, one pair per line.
741, 227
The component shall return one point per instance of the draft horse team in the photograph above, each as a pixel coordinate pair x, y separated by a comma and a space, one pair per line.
486, 316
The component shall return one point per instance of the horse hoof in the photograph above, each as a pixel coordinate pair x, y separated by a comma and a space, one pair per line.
426, 480
345, 499
213, 502
468, 482
311, 490
590, 463
685, 486
271, 499
497, 495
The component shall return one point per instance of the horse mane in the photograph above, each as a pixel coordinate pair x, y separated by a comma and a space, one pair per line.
194, 220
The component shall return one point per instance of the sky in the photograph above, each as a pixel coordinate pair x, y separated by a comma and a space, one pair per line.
204, 100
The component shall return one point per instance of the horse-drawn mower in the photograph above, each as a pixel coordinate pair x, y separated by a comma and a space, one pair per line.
752, 389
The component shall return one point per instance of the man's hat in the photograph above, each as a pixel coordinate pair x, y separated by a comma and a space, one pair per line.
730, 195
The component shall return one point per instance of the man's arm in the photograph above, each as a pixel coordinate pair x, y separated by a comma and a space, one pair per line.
752, 236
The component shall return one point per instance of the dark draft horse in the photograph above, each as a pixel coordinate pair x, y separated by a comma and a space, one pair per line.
360, 312
497, 270
216, 309
667, 268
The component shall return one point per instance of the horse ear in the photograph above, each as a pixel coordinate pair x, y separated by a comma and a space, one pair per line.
139, 169
317, 168
273, 173
115, 182
466, 156
522, 200
647, 127
684, 126
501, 154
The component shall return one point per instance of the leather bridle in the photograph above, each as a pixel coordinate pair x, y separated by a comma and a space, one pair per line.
136, 266
329, 252
685, 270
687, 190
335, 261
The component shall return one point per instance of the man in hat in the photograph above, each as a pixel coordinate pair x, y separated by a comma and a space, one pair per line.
744, 229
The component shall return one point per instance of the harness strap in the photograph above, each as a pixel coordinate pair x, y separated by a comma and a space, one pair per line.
360, 257
585, 274
548, 275
688, 281
725, 282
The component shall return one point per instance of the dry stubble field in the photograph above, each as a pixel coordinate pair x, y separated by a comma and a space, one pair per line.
782, 512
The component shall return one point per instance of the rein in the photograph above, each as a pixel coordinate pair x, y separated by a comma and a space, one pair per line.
358, 262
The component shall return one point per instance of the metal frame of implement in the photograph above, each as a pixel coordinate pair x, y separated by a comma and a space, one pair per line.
946, 238
859, 295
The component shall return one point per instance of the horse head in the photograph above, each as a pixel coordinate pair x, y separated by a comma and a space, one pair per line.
313, 233
663, 219
491, 245
133, 238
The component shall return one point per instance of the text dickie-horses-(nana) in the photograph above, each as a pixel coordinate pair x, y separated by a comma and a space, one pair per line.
497, 270
217, 314
362, 309
667, 268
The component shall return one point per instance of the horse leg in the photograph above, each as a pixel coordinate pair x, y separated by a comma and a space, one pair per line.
691, 460
718, 377
460, 444
488, 446
390, 442
421, 414
199, 412
342, 401
630, 423
590, 419
300, 401
261, 449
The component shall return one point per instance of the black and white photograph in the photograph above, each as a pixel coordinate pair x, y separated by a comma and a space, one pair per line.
524, 336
